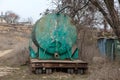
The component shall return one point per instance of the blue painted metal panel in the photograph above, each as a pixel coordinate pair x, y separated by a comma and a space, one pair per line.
109, 47
101, 45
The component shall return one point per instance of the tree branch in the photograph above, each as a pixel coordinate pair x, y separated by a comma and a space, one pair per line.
82, 7
114, 16
97, 5
119, 2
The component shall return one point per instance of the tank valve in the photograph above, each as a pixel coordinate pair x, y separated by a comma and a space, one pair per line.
56, 55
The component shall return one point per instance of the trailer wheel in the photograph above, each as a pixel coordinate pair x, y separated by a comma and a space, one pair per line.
48, 71
70, 71
38, 71
80, 71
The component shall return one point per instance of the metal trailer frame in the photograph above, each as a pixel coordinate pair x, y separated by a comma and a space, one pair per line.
48, 66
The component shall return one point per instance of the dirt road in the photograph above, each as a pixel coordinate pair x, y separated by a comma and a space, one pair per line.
5, 52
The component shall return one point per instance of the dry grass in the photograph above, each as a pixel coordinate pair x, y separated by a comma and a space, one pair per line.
19, 45
99, 67
24, 74
106, 71
87, 44
6, 42
19, 55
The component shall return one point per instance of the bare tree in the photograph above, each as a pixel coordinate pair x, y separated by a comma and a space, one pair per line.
11, 17
110, 13
88, 12
30, 20
82, 12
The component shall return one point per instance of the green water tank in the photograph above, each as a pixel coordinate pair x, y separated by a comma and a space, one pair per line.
54, 35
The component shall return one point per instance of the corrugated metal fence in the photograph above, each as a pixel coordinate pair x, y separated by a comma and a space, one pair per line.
109, 47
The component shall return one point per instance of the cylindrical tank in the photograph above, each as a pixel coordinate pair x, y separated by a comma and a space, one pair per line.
54, 33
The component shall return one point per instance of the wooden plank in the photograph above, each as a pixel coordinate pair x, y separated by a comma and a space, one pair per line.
57, 61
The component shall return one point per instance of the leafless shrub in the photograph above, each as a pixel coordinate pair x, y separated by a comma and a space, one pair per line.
106, 71
87, 44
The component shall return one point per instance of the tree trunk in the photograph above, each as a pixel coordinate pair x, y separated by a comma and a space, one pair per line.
111, 17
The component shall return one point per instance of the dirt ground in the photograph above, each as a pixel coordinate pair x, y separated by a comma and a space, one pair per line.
23, 73
14, 56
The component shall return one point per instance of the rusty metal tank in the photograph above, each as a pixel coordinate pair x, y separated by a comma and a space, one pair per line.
54, 35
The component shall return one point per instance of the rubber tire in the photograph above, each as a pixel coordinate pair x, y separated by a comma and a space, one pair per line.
70, 71
48, 71
81, 71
